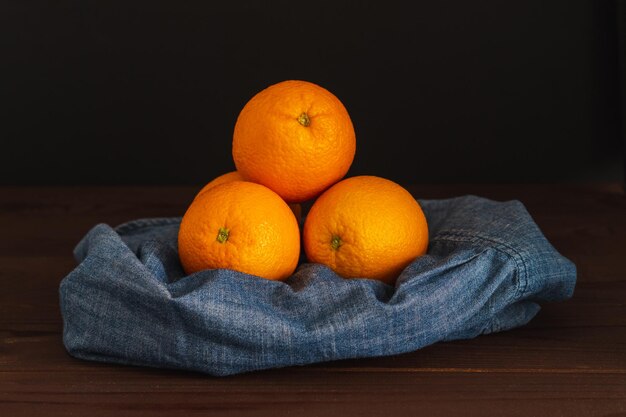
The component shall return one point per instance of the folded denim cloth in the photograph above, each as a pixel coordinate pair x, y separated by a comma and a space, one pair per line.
129, 301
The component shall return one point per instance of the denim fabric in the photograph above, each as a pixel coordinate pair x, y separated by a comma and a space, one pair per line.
128, 300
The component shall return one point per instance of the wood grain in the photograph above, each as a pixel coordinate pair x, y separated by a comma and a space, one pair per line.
570, 360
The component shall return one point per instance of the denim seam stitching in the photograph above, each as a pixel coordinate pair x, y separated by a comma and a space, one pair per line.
461, 236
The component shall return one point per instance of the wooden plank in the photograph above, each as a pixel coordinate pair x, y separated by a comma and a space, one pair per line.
313, 392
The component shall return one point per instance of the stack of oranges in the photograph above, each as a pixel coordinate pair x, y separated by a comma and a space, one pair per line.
294, 142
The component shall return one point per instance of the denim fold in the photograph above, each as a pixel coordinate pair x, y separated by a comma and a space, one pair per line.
128, 301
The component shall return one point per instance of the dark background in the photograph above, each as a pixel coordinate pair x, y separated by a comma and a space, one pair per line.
147, 92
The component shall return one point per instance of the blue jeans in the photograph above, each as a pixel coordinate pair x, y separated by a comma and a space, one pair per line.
128, 301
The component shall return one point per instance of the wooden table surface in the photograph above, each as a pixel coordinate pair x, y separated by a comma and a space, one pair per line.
569, 361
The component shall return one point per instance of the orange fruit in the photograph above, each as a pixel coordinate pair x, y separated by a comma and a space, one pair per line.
224, 178
242, 226
294, 137
366, 227
236, 176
